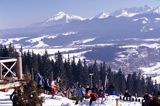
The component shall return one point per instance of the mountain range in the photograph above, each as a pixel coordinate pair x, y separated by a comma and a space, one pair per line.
126, 38
64, 29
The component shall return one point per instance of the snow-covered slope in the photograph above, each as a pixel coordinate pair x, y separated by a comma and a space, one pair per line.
63, 101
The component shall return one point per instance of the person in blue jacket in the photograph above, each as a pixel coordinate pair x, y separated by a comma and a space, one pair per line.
80, 94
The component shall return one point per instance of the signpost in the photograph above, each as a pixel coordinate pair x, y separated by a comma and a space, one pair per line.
91, 74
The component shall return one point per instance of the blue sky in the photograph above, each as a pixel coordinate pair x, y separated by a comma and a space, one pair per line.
20, 13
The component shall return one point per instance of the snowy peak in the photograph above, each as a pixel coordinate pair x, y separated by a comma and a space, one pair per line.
102, 15
125, 13
65, 17
130, 12
58, 16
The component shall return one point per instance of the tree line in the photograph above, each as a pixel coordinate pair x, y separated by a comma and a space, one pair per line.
72, 72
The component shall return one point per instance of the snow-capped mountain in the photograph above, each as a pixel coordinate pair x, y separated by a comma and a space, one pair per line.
136, 22
102, 15
131, 35
133, 10
59, 18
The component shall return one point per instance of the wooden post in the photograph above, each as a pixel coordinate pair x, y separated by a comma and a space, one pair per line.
1, 75
19, 65
116, 101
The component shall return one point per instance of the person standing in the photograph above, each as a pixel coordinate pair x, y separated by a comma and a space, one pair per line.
156, 100
93, 96
14, 97
54, 88
47, 86
79, 94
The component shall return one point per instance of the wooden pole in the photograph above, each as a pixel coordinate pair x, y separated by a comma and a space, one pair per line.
116, 101
19, 65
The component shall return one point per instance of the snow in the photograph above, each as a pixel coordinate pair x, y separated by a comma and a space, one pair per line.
69, 33
125, 13
63, 101
11, 40
156, 10
49, 50
79, 55
88, 40
37, 39
153, 45
153, 70
58, 16
102, 15
82, 41
144, 22
62, 15
157, 39
129, 46
157, 19
40, 44
142, 18
151, 29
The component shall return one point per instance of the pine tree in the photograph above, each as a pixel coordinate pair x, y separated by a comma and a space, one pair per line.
59, 66
121, 82
129, 84
28, 94
74, 68
102, 72
95, 71
85, 73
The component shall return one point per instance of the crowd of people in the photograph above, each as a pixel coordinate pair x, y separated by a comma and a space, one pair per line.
78, 92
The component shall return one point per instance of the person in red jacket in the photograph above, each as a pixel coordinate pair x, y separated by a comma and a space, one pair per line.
54, 88
93, 96
156, 100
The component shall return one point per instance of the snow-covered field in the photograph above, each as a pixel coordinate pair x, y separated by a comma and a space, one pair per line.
153, 70
63, 101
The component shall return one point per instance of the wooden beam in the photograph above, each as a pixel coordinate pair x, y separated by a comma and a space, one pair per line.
8, 60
